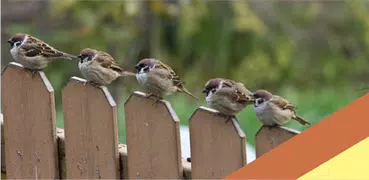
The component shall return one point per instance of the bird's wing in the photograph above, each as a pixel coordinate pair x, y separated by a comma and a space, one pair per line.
108, 62
171, 74
283, 103
36, 47
235, 91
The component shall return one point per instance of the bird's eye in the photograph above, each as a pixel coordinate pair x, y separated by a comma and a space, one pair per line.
260, 100
213, 90
146, 68
17, 43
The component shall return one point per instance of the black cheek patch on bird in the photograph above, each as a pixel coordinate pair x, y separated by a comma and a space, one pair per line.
11, 43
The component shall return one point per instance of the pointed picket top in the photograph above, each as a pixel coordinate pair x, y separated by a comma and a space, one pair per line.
268, 138
313, 147
218, 146
153, 139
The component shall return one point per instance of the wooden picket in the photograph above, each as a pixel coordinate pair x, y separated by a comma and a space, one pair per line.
268, 138
218, 146
3, 167
123, 162
61, 153
153, 139
91, 132
29, 129
33, 148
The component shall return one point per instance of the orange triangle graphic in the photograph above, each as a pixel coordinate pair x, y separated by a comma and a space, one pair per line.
313, 147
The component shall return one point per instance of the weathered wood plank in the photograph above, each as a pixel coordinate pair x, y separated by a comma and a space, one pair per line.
267, 138
187, 174
29, 128
61, 153
218, 148
153, 139
91, 132
123, 164
3, 167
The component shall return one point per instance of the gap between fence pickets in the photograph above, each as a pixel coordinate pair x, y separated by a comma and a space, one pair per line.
3, 168
122, 148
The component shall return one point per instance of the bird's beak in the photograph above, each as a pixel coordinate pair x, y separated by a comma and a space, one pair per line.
10, 41
137, 67
205, 91
79, 56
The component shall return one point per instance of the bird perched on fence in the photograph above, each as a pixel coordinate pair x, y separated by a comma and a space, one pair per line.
99, 68
227, 96
158, 79
33, 53
274, 110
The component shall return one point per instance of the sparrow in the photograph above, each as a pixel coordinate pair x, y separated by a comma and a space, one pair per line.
227, 96
158, 79
99, 68
274, 110
33, 53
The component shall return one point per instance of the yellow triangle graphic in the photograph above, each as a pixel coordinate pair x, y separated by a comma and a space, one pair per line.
353, 163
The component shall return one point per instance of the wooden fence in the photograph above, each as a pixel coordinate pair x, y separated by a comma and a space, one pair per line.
88, 146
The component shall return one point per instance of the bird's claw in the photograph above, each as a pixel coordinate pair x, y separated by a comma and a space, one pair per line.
33, 73
229, 118
157, 98
91, 83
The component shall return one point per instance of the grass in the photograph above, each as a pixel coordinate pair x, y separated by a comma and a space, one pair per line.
313, 106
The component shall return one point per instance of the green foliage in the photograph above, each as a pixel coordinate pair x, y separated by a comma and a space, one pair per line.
312, 46
293, 43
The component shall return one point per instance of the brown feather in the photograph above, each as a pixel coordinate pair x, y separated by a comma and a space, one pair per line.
282, 103
172, 75
239, 92
108, 62
300, 120
175, 78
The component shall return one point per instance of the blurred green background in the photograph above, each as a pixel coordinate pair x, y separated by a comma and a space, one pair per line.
313, 53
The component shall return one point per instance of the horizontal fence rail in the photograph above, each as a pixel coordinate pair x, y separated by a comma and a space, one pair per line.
87, 147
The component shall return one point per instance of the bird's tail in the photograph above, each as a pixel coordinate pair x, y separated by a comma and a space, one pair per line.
184, 90
69, 56
127, 73
300, 120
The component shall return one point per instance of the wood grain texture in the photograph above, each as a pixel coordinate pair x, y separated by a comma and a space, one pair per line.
61, 153
187, 174
268, 138
91, 132
218, 148
3, 167
153, 139
28, 108
123, 163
